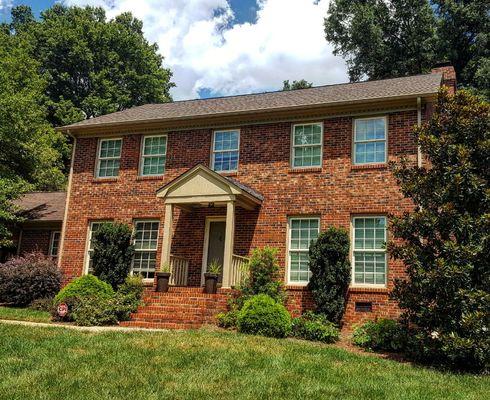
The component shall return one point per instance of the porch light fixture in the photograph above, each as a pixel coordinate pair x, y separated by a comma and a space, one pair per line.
210, 205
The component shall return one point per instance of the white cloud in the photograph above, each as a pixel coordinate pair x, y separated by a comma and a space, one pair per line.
6, 5
205, 50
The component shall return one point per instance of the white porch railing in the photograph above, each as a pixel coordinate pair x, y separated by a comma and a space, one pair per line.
238, 270
179, 267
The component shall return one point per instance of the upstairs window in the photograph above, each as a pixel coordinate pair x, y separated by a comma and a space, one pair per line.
370, 140
153, 155
226, 150
369, 255
307, 145
54, 244
145, 248
109, 158
302, 231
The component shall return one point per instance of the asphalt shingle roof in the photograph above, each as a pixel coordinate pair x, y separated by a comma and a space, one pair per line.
270, 101
43, 206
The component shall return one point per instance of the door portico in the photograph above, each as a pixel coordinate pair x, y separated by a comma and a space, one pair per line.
202, 187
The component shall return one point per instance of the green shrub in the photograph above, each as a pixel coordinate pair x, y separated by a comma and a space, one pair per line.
128, 297
227, 320
330, 272
263, 276
45, 304
113, 253
94, 311
85, 286
262, 315
314, 327
384, 334
25, 279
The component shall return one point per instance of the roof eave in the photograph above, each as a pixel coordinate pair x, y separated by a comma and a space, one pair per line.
73, 129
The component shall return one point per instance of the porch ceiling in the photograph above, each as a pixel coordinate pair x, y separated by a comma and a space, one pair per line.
201, 186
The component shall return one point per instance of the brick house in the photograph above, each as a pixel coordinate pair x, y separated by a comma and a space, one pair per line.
40, 231
215, 178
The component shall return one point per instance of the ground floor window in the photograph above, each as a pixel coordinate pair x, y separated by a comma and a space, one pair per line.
54, 243
302, 231
145, 244
369, 250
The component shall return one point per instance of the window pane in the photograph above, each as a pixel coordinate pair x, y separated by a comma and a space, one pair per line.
225, 156
302, 231
370, 141
299, 270
145, 243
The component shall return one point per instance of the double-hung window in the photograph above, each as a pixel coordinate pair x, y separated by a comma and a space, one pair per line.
226, 148
153, 155
145, 246
109, 158
54, 243
369, 253
302, 231
307, 145
92, 228
370, 140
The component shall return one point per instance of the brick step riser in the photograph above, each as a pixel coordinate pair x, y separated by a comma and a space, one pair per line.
167, 308
178, 314
161, 325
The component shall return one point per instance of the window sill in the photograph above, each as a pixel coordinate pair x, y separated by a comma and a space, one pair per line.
105, 180
368, 289
368, 166
228, 173
149, 177
304, 170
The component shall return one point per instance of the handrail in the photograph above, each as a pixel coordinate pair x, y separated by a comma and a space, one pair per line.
238, 270
179, 268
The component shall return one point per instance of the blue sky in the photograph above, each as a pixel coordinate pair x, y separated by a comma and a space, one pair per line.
225, 47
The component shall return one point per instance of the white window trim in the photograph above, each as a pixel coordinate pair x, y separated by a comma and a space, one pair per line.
293, 146
224, 151
87, 243
51, 243
142, 156
98, 159
135, 221
353, 284
288, 245
385, 117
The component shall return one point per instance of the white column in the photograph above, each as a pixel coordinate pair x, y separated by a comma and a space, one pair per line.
229, 236
167, 233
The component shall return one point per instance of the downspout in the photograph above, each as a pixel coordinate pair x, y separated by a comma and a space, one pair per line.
67, 203
19, 242
419, 122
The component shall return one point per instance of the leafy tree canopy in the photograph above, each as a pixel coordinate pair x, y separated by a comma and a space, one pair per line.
28, 159
92, 66
302, 84
445, 241
381, 39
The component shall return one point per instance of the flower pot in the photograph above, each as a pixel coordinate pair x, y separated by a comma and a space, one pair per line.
163, 279
210, 283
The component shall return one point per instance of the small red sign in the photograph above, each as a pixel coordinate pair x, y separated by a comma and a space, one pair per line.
62, 309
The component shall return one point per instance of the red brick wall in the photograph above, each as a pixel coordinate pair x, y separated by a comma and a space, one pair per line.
35, 240
336, 191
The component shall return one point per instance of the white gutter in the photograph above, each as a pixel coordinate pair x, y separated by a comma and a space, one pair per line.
419, 122
67, 203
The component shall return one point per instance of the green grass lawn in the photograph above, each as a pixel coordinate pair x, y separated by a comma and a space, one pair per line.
24, 314
58, 363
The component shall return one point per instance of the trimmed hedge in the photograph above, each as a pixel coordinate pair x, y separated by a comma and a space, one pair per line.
262, 315
83, 287
28, 278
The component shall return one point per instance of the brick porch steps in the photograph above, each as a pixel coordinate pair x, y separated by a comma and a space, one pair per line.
179, 308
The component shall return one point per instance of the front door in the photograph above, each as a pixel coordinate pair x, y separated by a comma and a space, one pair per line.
216, 243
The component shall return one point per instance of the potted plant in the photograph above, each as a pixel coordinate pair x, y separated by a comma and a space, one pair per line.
163, 278
211, 277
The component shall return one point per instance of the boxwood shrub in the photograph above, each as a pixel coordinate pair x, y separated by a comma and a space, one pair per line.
316, 327
262, 315
85, 286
